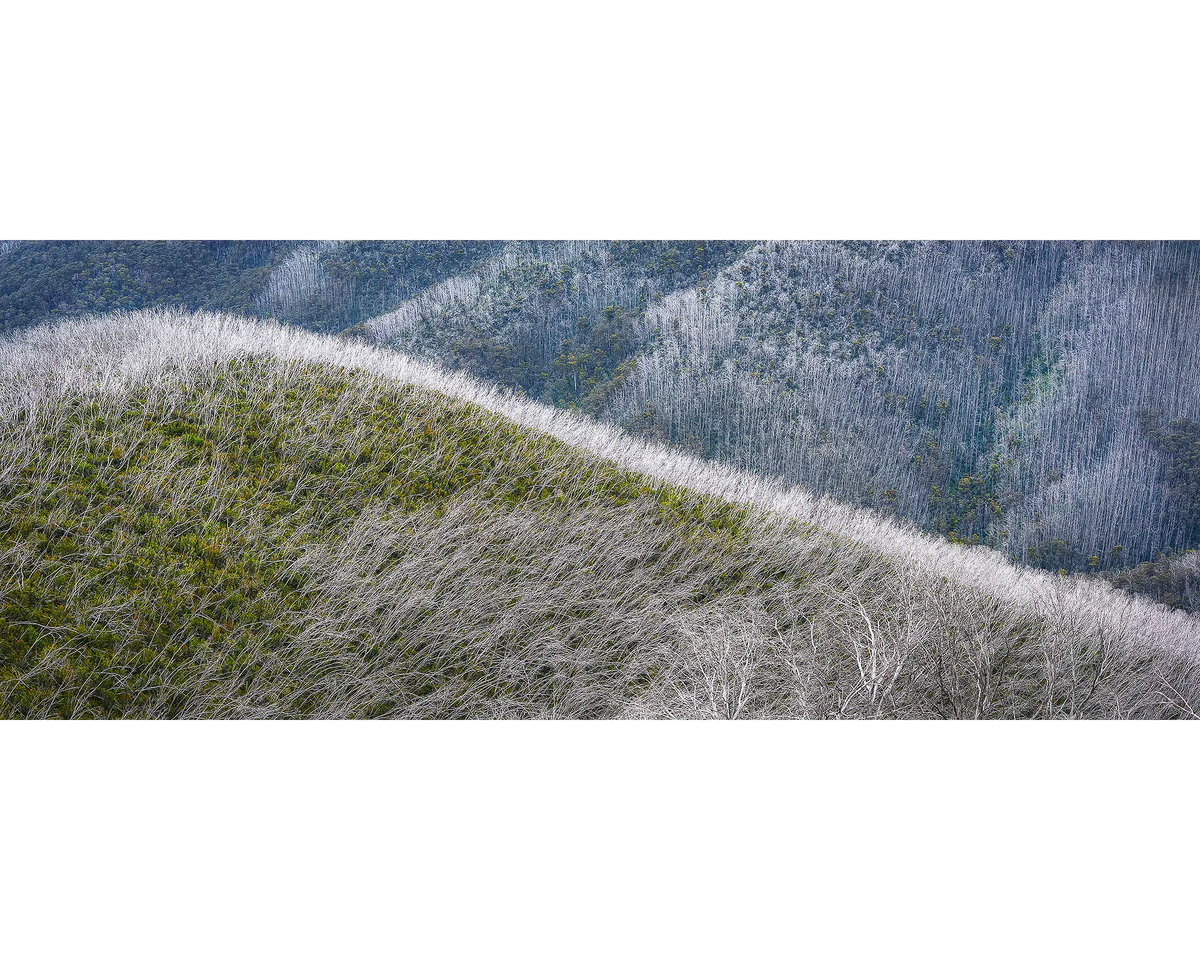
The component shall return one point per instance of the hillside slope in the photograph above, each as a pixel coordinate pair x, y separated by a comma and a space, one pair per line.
207, 516
1042, 398
326, 285
1037, 397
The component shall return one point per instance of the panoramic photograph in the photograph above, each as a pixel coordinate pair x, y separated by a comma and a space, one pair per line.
598, 479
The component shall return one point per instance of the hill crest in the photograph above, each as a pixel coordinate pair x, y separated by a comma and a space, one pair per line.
163, 352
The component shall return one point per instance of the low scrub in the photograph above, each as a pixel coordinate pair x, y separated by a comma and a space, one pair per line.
207, 517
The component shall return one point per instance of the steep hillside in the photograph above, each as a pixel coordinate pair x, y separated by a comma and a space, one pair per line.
320, 285
557, 321
205, 516
1042, 398
49, 279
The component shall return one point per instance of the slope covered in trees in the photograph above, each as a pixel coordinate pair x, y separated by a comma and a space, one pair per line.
1041, 398
44, 280
555, 321
325, 286
206, 516
1037, 397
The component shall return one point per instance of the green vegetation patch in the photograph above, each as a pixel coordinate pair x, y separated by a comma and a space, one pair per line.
149, 545
272, 539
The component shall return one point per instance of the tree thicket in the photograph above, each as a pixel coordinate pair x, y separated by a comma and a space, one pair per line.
992, 392
322, 285
41, 280
557, 321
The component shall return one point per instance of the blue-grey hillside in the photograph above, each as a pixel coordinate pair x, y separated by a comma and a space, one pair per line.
1040, 397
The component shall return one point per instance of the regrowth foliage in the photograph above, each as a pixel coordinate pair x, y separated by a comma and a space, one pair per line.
206, 516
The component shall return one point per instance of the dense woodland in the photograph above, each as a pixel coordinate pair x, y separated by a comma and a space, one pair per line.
322, 286
42, 280
1042, 398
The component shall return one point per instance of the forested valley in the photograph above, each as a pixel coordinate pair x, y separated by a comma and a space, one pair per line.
1040, 398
